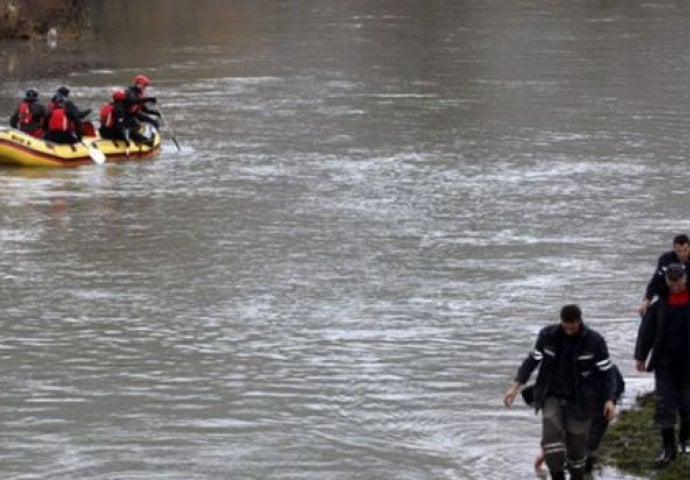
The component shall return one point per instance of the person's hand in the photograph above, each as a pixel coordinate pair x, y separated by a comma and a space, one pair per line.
609, 410
642, 307
640, 366
511, 393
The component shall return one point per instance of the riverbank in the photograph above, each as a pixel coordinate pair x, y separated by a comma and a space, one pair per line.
32, 19
632, 442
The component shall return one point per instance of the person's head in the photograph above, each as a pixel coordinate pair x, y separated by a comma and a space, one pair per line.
676, 278
141, 82
681, 245
571, 319
119, 95
31, 95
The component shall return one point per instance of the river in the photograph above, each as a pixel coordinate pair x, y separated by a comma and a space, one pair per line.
376, 207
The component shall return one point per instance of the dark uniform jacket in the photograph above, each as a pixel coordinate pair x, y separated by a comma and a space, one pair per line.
650, 335
592, 368
657, 284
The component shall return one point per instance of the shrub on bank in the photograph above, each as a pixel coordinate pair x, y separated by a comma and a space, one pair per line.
27, 19
632, 443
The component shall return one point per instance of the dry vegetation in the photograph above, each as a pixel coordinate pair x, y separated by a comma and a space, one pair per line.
27, 19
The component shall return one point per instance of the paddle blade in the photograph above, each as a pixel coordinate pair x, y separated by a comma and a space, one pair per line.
96, 155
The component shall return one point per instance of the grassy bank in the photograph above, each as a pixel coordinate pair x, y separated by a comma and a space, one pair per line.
632, 443
29, 19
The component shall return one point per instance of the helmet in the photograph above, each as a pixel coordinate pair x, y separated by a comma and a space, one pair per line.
31, 94
119, 94
63, 91
142, 80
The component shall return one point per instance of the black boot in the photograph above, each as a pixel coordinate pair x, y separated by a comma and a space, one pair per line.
589, 463
577, 474
560, 475
668, 454
683, 435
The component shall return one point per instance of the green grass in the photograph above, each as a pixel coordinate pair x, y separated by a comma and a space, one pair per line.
632, 443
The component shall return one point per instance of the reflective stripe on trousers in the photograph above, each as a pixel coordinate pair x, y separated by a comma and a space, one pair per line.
564, 437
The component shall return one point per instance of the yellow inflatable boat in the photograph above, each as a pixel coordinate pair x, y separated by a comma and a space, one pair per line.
20, 149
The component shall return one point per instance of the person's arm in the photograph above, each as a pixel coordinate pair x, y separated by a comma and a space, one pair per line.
655, 285
525, 371
645, 339
511, 393
14, 119
608, 370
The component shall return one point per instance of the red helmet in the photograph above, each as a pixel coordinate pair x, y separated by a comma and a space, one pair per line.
119, 94
142, 81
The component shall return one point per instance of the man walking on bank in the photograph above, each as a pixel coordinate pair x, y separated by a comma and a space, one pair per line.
574, 366
665, 332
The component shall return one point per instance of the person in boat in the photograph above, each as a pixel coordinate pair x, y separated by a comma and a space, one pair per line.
63, 123
574, 365
663, 346
113, 117
30, 115
596, 432
657, 284
136, 104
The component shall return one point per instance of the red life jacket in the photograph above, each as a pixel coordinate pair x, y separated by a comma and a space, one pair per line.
107, 119
58, 120
26, 116
679, 299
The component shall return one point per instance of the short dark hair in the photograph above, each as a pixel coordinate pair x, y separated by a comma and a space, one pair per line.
681, 239
571, 313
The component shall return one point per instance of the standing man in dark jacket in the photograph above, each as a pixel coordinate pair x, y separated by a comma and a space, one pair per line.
657, 285
574, 366
663, 341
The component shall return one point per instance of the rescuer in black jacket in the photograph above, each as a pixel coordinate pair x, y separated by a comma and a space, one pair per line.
29, 115
663, 341
574, 367
657, 284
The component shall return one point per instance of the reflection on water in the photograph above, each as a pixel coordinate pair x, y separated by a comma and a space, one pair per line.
375, 209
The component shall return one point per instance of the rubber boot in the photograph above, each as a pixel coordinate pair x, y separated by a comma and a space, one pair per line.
668, 454
560, 475
577, 474
683, 435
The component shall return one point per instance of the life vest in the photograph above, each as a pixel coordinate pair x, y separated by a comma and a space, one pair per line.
107, 119
58, 120
26, 116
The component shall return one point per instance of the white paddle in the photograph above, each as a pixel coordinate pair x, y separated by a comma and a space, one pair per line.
96, 155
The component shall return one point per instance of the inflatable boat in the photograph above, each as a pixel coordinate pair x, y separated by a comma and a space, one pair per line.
20, 149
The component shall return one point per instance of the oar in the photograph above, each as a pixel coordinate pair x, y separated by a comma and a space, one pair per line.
127, 142
167, 128
96, 155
